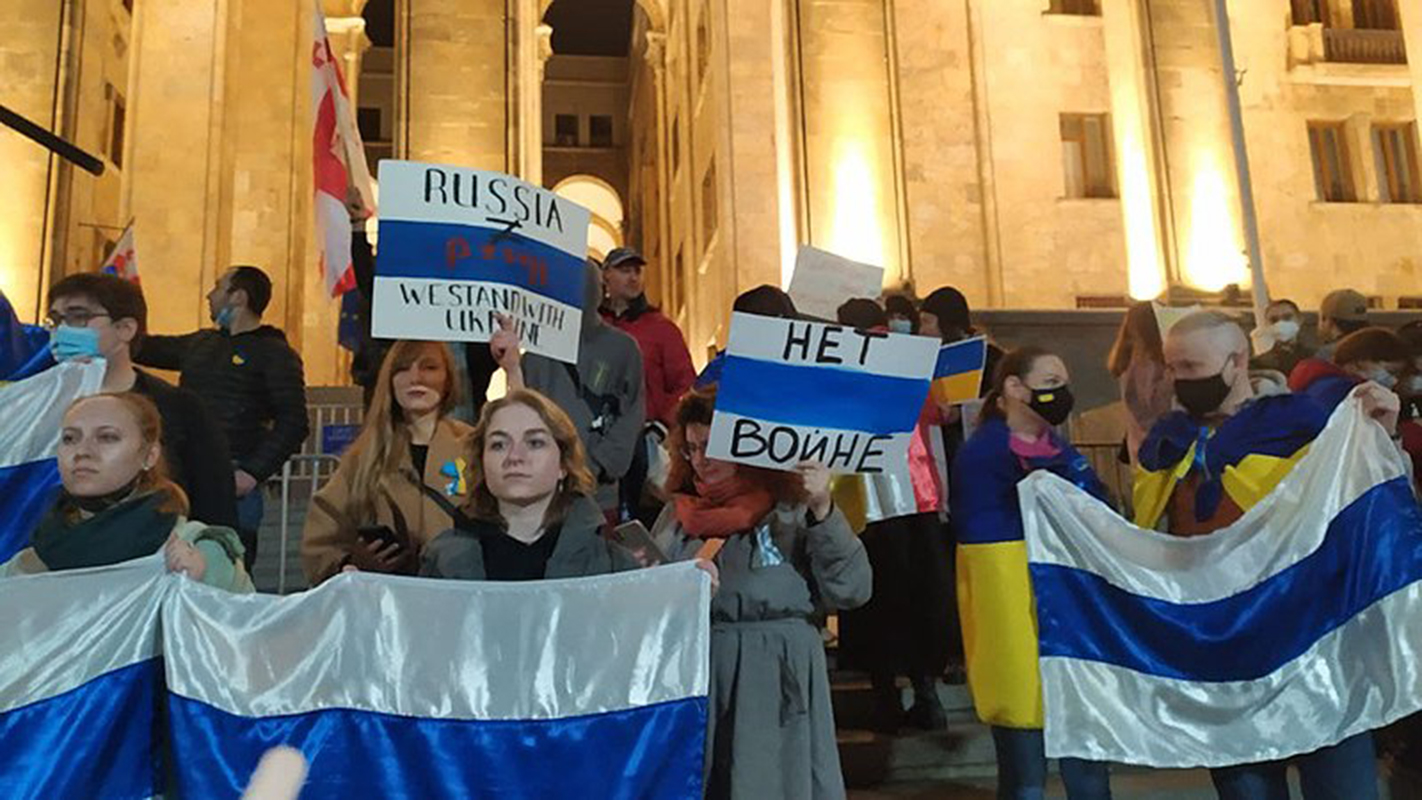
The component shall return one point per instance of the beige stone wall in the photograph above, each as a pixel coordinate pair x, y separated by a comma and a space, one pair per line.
1312, 247
29, 39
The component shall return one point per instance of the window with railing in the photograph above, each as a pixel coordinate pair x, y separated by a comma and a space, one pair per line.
1086, 156
1370, 34
1332, 175
1395, 157
1080, 8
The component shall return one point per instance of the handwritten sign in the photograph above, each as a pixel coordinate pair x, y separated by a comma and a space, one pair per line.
458, 246
795, 391
822, 281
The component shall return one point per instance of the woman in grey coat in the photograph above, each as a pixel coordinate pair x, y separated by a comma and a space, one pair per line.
786, 556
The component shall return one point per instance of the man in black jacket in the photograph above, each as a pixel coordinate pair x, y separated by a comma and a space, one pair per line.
104, 316
252, 380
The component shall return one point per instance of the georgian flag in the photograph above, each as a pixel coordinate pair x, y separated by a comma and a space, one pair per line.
339, 162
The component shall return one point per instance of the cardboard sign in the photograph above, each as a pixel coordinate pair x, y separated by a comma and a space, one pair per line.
458, 246
823, 281
794, 391
958, 377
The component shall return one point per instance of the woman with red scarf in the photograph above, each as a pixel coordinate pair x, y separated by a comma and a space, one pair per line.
786, 556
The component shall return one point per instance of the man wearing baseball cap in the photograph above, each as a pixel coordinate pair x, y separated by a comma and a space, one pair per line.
666, 362
1342, 312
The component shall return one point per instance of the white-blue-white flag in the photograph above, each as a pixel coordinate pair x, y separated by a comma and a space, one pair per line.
31, 411
405, 687
1288, 631
81, 682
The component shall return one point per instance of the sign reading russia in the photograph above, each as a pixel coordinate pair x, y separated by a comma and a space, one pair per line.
460, 246
794, 391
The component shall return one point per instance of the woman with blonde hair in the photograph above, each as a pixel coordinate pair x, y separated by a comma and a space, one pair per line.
402, 481
118, 502
532, 513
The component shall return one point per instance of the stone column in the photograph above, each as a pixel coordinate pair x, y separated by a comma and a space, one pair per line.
454, 82
656, 57
176, 111
748, 169
849, 141
1133, 119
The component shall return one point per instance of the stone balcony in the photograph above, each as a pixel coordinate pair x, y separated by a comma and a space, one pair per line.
1348, 55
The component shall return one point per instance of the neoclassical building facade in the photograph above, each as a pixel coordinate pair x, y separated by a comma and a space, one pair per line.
1049, 154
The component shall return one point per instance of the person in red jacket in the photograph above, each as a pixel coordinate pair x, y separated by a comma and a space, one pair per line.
666, 362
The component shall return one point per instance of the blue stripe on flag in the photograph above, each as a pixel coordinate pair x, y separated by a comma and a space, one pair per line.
650, 752
418, 250
819, 396
1372, 549
93, 741
28, 491
960, 358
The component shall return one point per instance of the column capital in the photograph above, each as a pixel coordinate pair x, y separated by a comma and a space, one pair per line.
545, 42
656, 51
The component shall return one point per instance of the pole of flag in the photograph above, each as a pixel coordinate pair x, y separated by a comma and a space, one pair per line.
1242, 171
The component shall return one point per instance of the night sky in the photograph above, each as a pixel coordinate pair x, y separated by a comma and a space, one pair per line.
580, 27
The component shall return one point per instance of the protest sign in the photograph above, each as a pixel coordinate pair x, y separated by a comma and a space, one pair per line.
458, 246
793, 391
958, 378
822, 281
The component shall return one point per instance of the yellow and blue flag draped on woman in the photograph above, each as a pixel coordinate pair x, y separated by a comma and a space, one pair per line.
1290, 630
994, 592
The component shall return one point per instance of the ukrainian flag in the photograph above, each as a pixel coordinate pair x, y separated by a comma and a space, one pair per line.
958, 377
1244, 459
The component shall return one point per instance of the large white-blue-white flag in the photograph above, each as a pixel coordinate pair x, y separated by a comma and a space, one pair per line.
406, 687
30, 414
793, 390
1288, 631
81, 682
125, 682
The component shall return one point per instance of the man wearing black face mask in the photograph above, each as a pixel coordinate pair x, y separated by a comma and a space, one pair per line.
1204, 466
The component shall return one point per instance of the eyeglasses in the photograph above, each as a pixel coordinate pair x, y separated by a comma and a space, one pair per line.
74, 318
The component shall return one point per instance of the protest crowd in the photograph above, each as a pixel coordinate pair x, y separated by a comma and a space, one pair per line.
889, 493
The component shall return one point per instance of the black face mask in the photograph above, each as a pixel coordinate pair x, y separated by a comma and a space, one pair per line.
1053, 405
1200, 396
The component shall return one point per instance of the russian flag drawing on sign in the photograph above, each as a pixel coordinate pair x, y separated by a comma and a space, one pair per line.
29, 434
400, 687
958, 376
1290, 630
793, 391
458, 246
81, 683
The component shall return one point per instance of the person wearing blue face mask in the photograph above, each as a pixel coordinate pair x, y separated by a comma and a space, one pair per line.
251, 379
903, 315
1371, 354
103, 316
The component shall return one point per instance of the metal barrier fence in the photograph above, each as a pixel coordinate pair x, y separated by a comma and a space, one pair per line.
334, 412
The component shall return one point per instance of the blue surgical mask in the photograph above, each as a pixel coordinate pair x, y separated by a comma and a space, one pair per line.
900, 326
67, 342
224, 317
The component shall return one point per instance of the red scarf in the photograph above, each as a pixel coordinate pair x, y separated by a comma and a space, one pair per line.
723, 509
